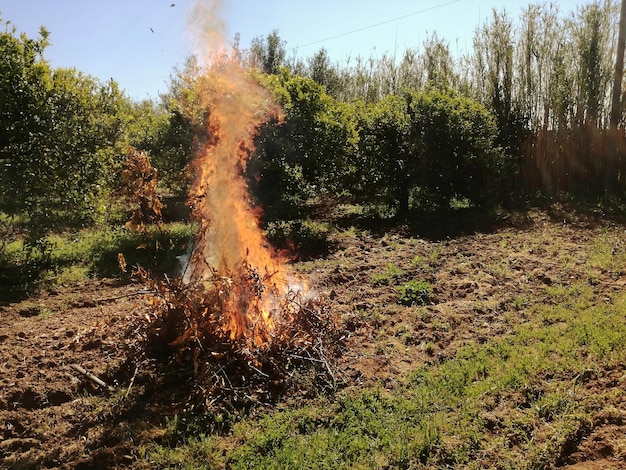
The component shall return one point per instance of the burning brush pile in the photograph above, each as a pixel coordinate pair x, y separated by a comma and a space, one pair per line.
237, 317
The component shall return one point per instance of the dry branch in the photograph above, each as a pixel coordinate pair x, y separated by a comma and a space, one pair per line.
90, 376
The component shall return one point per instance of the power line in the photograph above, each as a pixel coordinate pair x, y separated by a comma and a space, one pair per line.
375, 25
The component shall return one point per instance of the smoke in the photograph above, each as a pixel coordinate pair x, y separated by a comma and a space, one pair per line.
208, 29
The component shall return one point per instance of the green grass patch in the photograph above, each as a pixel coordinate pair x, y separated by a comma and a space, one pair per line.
76, 256
414, 293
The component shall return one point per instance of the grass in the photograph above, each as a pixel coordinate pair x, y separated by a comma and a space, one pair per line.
414, 293
388, 276
72, 257
514, 399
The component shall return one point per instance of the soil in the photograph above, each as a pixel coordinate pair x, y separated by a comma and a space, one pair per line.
53, 416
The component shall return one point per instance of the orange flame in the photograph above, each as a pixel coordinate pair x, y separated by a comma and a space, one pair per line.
231, 253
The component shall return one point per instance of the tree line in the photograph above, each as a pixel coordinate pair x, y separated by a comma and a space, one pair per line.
526, 112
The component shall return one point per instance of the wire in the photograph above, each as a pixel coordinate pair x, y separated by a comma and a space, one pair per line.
374, 25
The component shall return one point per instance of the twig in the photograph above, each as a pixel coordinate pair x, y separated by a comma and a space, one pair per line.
312, 359
90, 376
259, 371
132, 381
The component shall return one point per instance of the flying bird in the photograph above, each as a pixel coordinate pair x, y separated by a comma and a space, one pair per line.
152, 30
173, 5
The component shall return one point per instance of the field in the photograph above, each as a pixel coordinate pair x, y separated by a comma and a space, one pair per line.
470, 340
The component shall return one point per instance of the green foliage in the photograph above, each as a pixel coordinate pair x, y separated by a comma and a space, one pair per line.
61, 139
170, 129
414, 293
455, 140
304, 234
75, 256
433, 141
267, 54
323, 72
391, 274
386, 149
311, 152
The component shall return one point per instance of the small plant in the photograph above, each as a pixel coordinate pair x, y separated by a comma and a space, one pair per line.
391, 273
414, 293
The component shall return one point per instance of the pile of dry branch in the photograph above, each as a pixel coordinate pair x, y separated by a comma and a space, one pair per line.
187, 330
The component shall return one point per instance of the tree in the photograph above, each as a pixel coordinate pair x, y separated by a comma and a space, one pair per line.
616, 102
312, 151
454, 140
438, 62
268, 54
323, 72
432, 142
62, 137
389, 164
591, 29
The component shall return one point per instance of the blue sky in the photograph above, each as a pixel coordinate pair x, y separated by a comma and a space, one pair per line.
139, 42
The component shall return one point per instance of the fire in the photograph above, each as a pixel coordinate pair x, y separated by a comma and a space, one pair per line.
231, 258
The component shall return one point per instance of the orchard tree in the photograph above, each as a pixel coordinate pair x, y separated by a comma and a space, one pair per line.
433, 143
312, 151
24, 84
269, 53
62, 137
387, 150
455, 143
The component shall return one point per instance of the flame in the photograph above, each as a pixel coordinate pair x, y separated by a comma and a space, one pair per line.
231, 256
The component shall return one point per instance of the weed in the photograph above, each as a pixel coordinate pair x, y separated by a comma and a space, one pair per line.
414, 293
429, 347
418, 262
433, 256
553, 405
520, 302
391, 273
75, 256
422, 314
499, 269
439, 325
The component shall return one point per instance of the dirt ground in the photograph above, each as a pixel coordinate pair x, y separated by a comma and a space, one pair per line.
54, 416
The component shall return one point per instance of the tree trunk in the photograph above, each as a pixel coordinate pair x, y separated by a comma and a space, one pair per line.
403, 194
614, 154
616, 105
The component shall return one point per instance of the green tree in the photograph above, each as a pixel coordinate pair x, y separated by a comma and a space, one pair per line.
592, 37
312, 150
455, 142
389, 165
24, 81
63, 134
268, 54
325, 73
431, 142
